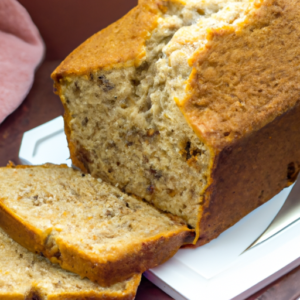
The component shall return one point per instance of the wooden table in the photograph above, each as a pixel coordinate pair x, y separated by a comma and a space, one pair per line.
63, 25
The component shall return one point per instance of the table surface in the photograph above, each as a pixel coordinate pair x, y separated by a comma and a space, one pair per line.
40, 106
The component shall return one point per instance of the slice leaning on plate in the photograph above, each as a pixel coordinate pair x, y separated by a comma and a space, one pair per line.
24, 275
85, 225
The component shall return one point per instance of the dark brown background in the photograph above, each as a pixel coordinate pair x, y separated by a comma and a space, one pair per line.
64, 24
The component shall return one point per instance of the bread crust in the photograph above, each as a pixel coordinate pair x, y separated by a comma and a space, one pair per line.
138, 257
246, 76
129, 35
72, 147
12, 296
37, 293
250, 172
252, 113
125, 40
244, 83
128, 294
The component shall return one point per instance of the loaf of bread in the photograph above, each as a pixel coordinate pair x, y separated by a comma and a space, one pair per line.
85, 225
25, 275
192, 105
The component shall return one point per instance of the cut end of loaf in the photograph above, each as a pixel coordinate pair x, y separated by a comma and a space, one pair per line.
138, 139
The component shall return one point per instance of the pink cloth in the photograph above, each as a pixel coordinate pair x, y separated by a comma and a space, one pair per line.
21, 50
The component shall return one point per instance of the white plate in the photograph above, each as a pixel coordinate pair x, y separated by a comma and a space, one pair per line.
45, 144
216, 271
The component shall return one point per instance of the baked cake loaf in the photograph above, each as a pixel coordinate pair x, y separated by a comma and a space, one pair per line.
27, 276
85, 225
192, 105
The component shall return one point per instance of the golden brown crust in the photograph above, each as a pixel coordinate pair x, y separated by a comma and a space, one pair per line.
27, 236
122, 44
72, 147
94, 296
246, 76
11, 296
128, 294
250, 172
37, 293
138, 257
32, 239
119, 45
67, 118
243, 80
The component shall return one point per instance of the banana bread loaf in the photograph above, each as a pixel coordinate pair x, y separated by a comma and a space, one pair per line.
25, 275
85, 225
191, 105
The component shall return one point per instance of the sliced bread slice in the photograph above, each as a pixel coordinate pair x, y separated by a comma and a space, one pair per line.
24, 275
85, 225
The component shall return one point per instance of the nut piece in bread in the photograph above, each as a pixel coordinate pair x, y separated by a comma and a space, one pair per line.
192, 105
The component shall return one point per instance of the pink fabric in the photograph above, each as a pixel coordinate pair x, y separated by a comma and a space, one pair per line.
21, 50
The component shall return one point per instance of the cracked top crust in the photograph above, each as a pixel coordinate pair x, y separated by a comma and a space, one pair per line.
245, 77
242, 77
121, 44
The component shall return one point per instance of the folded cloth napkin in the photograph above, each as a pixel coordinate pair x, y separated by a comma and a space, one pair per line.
21, 50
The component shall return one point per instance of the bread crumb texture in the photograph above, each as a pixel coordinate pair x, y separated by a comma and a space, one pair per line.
188, 80
247, 76
84, 224
24, 275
